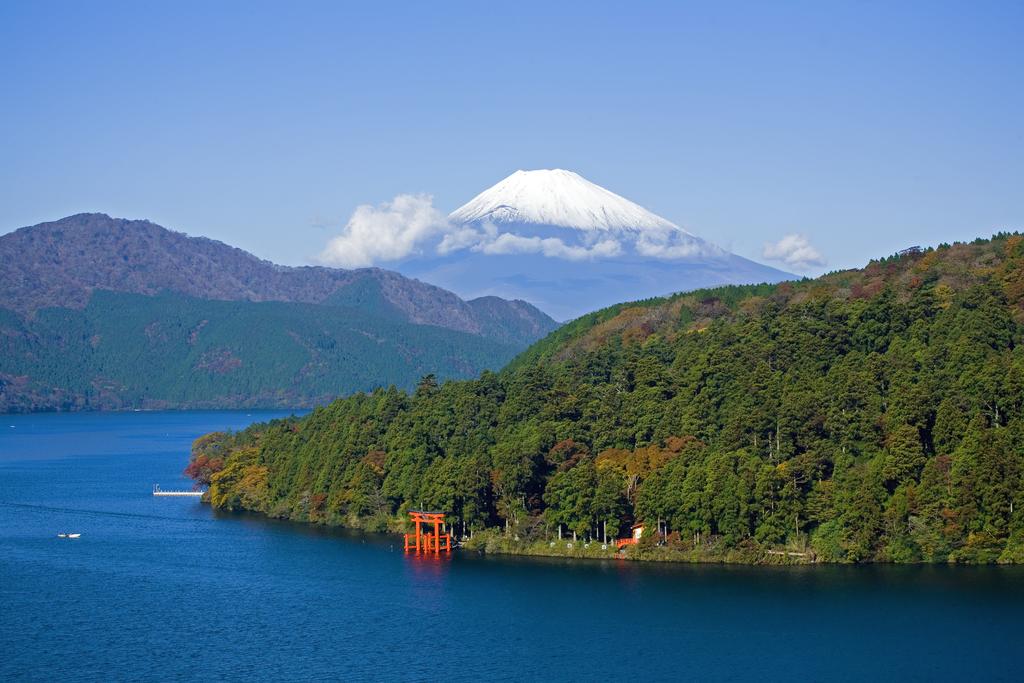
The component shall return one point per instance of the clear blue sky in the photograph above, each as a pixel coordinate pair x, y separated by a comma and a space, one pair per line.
867, 127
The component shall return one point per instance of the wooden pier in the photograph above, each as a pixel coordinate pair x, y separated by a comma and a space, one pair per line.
157, 491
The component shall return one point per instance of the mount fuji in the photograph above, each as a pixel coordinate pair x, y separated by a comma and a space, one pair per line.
558, 198
569, 246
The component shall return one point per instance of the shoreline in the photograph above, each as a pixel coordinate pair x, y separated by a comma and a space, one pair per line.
493, 542
489, 543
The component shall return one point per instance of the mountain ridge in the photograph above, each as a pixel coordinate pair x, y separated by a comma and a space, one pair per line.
60, 263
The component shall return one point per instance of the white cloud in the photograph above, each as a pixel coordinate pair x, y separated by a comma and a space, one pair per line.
386, 232
553, 247
667, 249
671, 244
410, 225
795, 251
460, 238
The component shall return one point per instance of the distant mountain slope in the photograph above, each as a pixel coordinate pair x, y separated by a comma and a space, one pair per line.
570, 246
510, 321
61, 263
104, 313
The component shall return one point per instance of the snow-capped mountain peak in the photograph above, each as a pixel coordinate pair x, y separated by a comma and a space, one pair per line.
559, 198
550, 237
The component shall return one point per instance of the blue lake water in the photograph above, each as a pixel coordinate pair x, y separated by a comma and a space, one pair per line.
165, 589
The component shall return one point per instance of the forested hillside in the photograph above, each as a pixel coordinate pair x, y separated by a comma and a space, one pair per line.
130, 351
868, 415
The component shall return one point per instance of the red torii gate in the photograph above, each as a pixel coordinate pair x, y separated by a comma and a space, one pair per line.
426, 542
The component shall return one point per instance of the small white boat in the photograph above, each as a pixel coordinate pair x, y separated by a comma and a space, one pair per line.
62, 535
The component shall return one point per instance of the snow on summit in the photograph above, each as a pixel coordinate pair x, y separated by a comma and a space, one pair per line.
558, 198
550, 237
